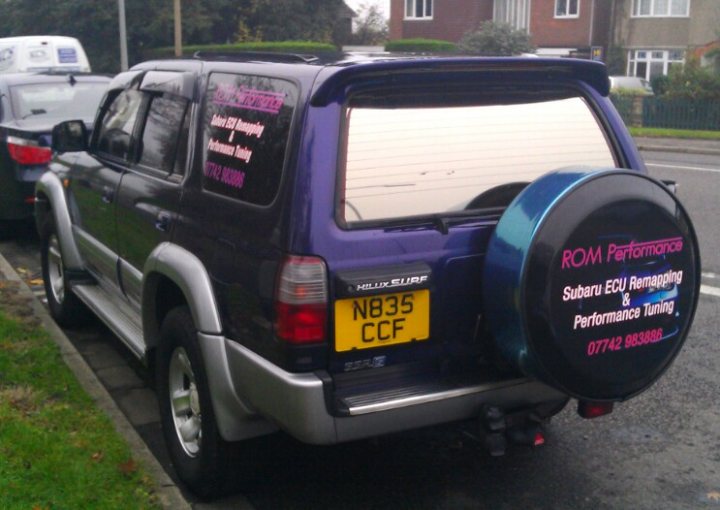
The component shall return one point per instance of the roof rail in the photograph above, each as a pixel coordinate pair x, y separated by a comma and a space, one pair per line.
244, 56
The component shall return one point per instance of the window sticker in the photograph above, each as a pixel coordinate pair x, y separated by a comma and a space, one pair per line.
247, 122
67, 55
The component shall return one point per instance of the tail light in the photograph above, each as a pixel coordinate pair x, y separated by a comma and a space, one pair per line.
301, 301
28, 152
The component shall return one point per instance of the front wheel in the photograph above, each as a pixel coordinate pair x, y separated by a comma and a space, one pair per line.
65, 307
188, 422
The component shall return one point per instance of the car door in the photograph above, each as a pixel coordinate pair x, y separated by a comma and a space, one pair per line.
95, 180
150, 189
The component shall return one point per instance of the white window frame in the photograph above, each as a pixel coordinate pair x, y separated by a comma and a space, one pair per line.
413, 4
569, 15
654, 6
515, 13
650, 59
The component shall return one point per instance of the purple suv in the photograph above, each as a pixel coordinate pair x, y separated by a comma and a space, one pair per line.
343, 248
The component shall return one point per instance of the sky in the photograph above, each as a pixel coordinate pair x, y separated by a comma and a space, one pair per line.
383, 4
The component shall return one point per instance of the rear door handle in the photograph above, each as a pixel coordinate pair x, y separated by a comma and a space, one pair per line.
162, 221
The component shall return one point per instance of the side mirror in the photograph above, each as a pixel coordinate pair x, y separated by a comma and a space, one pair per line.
70, 136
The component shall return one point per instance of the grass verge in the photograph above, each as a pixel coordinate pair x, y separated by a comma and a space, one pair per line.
674, 133
57, 450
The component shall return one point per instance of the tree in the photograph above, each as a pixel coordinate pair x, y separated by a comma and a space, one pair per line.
370, 27
283, 20
150, 23
616, 60
496, 39
692, 81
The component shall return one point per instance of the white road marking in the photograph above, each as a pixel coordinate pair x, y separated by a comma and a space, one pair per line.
678, 167
710, 291
713, 276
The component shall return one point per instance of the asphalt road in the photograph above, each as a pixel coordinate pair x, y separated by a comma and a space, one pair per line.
660, 450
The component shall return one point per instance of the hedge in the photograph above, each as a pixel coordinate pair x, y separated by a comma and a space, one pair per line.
307, 47
421, 45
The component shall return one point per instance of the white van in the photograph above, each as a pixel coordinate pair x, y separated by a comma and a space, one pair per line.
42, 53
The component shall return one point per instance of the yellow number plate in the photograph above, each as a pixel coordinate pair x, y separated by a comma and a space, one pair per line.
387, 319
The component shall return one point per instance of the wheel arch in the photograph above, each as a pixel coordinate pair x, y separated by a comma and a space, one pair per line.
172, 277
51, 205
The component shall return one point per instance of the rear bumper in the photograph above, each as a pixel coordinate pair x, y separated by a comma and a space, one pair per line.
16, 200
252, 396
17, 190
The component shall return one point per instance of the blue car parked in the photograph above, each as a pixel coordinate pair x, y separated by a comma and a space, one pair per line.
30, 105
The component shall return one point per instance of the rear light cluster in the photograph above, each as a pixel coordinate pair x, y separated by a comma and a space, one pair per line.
28, 152
301, 301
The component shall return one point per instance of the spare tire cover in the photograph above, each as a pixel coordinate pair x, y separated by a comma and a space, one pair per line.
591, 281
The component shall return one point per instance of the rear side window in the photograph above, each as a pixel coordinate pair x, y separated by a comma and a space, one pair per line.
161, 139
412, 161
246, 130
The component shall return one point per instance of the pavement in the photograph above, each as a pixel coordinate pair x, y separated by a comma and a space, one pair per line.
102, 370
686, 146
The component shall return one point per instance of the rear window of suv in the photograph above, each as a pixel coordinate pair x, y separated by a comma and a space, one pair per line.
404, 161
246, 129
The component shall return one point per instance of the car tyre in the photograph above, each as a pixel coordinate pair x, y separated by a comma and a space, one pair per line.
196, 449
65, 307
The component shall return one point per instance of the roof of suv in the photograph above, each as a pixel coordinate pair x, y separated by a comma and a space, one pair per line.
338, 68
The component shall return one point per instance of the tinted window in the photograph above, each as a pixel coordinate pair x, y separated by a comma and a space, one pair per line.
410, 161
116, 127
246, 128
161, 134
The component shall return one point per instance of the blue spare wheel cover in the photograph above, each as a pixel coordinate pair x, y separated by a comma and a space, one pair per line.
591, 281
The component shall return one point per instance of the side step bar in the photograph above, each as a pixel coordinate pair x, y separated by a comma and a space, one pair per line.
113, 315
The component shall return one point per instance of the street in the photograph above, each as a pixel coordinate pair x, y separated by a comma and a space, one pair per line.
660, 450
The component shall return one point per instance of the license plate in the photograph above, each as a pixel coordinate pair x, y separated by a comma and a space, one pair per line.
387, 319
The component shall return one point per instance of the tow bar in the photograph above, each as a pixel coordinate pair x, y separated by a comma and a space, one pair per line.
498, 428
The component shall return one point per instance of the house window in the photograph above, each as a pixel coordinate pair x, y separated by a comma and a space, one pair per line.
661, 8
418, 9
650, 63
567, 8
515, 13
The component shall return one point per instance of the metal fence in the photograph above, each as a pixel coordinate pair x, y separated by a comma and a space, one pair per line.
659, 112
681, 113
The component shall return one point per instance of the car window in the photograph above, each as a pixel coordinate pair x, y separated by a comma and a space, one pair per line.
61, 100
161, 133
115, 131
410, 161
246, 129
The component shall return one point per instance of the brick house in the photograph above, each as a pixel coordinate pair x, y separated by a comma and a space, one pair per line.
557, 27
658, 34
655, 33
437, 19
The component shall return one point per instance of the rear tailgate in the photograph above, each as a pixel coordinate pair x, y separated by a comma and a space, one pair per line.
425, 162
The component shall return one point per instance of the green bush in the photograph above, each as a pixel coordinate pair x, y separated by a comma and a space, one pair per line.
622, 91
308, 47
660, 84
421, 46
692, 81
496, 39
